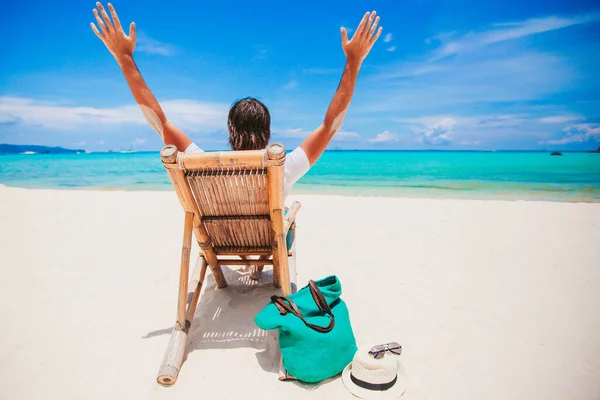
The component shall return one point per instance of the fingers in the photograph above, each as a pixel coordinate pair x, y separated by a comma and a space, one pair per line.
100, 23
367, 26
374, 38
374, 26
105, 16
361, 26
132, 32
115, 17
96, 30
344, 36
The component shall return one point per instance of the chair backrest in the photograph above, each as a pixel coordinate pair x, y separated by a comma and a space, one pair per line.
236, 197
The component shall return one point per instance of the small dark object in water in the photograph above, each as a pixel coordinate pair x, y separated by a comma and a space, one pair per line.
556, 153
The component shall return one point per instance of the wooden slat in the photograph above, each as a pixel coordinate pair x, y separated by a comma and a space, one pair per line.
218, 229
231, 201
243, 250
245, 262
232, 159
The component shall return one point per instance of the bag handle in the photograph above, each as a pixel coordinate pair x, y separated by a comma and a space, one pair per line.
284, 308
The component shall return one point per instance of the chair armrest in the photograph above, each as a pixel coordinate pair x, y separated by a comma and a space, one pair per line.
290, 217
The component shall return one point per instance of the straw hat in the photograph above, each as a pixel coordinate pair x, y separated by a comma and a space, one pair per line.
370, 378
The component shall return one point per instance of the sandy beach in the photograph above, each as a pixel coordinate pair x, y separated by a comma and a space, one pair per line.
490, 299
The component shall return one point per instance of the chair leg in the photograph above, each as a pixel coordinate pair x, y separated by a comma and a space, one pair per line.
173, 358
284, 375
284, 272
175, 353
276, 269
218, 275
281, 274
184, 269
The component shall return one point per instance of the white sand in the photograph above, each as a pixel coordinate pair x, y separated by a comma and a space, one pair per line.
491, 300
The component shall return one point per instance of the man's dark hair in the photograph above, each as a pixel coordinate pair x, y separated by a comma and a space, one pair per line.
249, 125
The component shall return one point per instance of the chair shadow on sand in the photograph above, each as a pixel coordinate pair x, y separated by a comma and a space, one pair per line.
224, 318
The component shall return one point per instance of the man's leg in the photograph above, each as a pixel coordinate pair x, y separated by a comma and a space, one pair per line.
256, 270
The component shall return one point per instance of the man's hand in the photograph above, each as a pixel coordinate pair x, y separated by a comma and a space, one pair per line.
363, 39
116, 41
356, 50
121, 47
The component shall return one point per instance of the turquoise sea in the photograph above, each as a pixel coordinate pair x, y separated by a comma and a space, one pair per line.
449, 174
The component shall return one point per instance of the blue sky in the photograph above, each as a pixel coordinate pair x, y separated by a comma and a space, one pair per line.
516, 74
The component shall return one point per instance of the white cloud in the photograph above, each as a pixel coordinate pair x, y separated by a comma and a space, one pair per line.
505, 31
472, 130
188, 115
391, 48
483, 78
293, 84
387, 38
151, 46
385, 137
346, 135
8, 119
480, 72
261, 54
196, 116
484, 121
559, 119
59, 117
438, 133
578, 138
578, 133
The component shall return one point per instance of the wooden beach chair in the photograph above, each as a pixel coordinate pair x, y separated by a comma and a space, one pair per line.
233, 204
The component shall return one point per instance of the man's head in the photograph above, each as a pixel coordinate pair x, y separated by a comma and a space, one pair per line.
249, 125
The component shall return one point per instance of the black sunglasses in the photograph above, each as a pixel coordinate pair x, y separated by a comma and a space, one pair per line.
379, 350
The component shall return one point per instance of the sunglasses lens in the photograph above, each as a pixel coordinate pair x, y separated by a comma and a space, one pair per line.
397, 351
377, 351
378, 348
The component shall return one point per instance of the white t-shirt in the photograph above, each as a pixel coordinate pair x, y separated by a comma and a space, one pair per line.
296, 165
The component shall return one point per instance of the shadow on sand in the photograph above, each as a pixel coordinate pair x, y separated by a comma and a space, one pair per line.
224, 318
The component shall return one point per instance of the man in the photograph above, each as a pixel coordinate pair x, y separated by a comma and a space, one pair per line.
249, 121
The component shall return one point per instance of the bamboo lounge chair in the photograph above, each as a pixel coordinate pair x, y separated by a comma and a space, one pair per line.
233, 203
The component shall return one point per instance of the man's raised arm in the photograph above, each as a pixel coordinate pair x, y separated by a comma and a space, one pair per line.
356, 50
121, 47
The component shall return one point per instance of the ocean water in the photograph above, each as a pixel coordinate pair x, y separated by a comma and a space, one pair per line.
450, 174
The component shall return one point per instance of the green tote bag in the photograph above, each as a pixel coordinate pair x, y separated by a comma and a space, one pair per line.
315, 335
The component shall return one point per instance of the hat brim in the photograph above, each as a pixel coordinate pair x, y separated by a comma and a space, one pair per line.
392, 393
